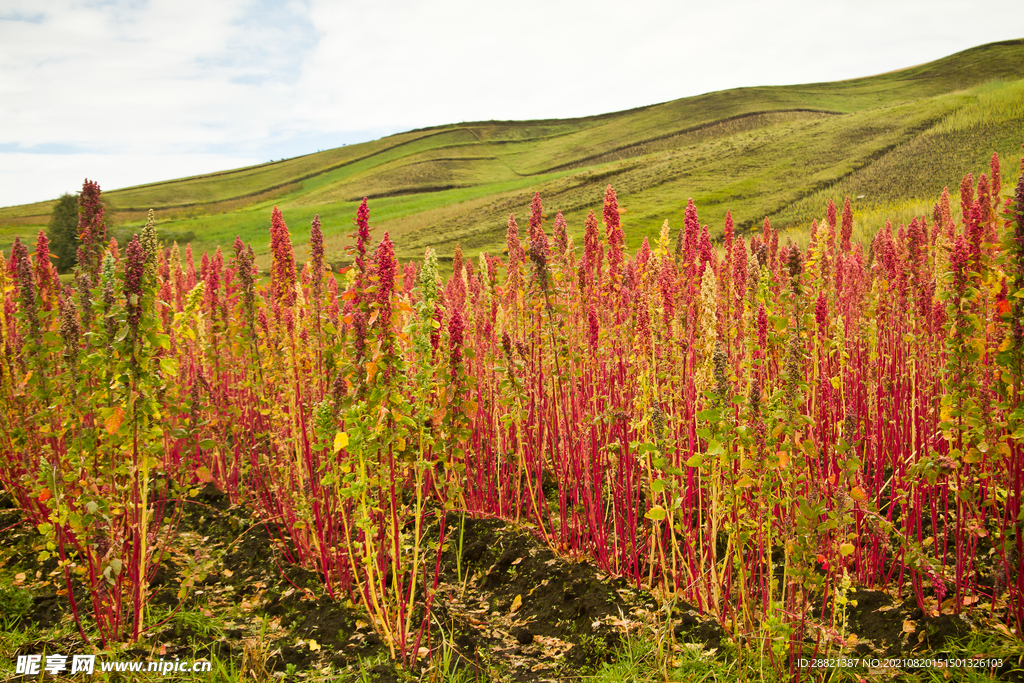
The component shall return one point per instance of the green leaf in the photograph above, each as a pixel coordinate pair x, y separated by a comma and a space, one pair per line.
695, 460
656, 513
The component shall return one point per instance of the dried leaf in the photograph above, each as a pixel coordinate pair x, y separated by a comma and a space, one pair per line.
517, 602
114, 421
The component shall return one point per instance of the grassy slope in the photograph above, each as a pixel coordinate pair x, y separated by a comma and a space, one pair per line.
892, 140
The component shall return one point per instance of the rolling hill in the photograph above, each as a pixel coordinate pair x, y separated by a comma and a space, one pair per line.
890, 141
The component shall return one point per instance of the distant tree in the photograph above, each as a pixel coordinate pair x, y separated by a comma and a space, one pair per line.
63, 233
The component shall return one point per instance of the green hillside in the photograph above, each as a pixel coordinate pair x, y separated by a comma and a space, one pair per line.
888, 141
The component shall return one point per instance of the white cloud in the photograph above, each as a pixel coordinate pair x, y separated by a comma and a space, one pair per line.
139, 77
47, 176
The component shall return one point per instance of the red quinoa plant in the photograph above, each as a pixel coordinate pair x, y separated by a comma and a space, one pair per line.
758, 432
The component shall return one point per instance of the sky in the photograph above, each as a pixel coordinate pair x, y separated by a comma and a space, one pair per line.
126, 92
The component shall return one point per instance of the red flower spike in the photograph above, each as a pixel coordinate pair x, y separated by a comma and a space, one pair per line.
43, 268
385, 258
643, 255
212, 281
190, 269
616, 238
456, 288
705, 251
536, 218
739, 269
993, 166
516, 255
592, 328
958, 262
762, 328
561, 237
282, 271
945, 212
692, 223
986, 215
316, 247
966, 198
362, 246
92, 230
821, 315
134, 269
408, 277
591, 247
456, 329
667, 285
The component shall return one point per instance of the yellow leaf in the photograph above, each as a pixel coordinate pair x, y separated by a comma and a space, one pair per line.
469, 408
517, 602
909, 626
783, 457
313, 645
858, 494
203, 474
114, 421
340, 441
371, 371
400, 443
744, 482
846, 549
